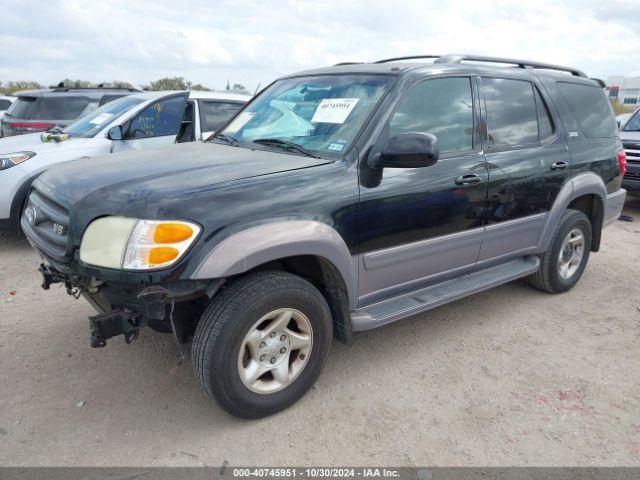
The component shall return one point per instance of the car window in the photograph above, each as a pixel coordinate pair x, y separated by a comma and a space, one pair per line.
214, 113
322, 114
91, 124
22, 107
511, 112
61, 108
591, 108
633, 124
110, 98
4, 104
545, 124
159, 119
442, 107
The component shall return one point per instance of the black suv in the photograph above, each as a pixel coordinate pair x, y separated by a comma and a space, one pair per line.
337, 200
40, 110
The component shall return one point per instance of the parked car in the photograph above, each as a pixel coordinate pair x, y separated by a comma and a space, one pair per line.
338, 200
137, 121
5, 103
630, 136
40, 110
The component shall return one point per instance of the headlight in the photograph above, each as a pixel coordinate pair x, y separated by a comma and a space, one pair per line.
8, 160
119, 242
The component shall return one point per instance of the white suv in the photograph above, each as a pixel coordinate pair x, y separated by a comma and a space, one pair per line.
143, 120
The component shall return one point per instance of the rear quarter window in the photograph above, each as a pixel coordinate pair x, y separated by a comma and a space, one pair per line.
22, 107
591, 109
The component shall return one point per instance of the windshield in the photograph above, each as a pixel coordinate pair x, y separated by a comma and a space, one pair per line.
633, 124
91, 124
320, 114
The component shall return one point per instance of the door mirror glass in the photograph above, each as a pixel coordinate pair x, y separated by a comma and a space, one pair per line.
115, 133
407, 150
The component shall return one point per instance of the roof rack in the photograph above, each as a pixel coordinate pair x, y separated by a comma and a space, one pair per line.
452, 59
411, 57
62, 88
519, 63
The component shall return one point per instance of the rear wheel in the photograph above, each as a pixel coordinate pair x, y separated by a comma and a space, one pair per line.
562, 265
261, 344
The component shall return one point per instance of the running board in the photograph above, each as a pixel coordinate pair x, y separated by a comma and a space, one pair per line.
419, 301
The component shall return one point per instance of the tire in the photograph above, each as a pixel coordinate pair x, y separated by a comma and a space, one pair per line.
224, 331
550, 277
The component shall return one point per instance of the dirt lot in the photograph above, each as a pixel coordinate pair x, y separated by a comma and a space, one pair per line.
507, 377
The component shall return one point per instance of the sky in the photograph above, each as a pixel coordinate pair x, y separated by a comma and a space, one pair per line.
253, 43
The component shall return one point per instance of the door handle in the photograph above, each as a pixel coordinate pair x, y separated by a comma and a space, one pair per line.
559, 166
468, 180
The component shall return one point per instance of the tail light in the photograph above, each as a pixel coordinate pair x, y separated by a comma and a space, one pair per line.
622, 162
32, 126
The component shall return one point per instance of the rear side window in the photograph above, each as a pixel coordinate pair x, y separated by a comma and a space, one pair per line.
214, 114
22, 107
442, 107
512, 118
591, 109
4, 104
51, 108
62, 108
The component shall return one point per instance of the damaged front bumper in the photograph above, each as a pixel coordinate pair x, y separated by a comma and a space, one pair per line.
125, 308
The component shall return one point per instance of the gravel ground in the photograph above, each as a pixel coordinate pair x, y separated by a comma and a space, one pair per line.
511, 376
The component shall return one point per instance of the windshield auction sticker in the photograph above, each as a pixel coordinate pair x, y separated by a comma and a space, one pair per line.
334, 110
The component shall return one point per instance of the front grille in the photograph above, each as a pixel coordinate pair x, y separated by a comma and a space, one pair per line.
46, 223
632, 149
632, 176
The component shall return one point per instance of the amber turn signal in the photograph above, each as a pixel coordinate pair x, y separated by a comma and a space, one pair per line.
160, 255
172, 233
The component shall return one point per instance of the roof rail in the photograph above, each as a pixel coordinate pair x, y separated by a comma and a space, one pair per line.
66, 89
410, 57
449, 59
341, 64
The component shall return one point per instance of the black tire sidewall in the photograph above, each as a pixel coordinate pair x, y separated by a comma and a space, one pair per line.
226, 383
573, 220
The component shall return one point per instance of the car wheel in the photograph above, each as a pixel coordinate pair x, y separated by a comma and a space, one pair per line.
562, 265
262, 343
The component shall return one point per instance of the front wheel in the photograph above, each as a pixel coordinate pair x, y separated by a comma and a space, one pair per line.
562, 265
262, 342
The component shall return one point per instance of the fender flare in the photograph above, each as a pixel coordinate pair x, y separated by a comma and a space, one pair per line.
586, 183
258, 245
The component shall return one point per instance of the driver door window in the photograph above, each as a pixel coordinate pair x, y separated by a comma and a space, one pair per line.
442, 107
159, 119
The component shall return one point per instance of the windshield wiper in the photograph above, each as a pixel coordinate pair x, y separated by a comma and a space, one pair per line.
226, 138
278, 142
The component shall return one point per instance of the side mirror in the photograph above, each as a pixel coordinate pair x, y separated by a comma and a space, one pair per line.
115, 133
407, 150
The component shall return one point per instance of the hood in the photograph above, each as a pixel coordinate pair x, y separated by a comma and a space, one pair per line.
629, 136
164, 173
31, 142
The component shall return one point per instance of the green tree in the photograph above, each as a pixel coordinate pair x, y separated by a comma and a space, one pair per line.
68, 83
10, 88
168, 83
200, 87
238, 86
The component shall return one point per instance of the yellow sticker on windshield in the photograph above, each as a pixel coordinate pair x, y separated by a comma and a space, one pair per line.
334, 110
